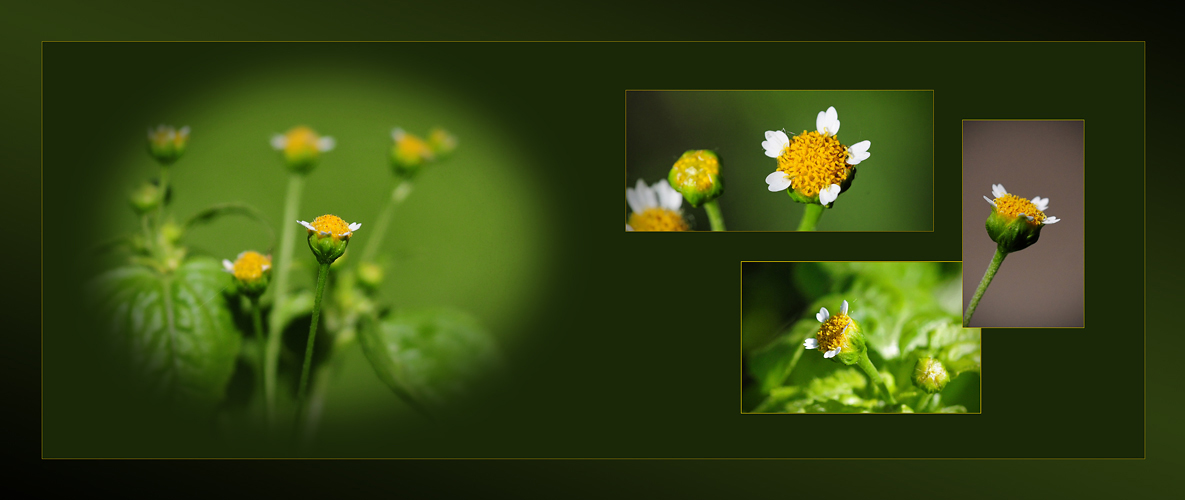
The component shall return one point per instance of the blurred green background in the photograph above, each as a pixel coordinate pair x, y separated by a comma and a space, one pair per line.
893, 190
907, 310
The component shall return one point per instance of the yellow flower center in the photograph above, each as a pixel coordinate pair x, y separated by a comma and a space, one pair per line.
658, 219
301, 140
1012, 206
833, 333
697, 167
410, 149
251, 265
331, 224
814, 161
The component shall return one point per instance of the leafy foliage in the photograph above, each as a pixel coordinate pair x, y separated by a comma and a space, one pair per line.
908, 310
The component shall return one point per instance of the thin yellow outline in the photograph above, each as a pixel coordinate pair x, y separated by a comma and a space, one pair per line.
962, 167
742, 350
933, 159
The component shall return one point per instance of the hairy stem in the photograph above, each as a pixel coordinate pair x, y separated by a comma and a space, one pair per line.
322, 277
714, 216
280, 298
400, 193
983, 284
875, 376
810, 217
257, 320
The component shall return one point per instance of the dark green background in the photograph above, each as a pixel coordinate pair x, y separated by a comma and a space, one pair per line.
148, 20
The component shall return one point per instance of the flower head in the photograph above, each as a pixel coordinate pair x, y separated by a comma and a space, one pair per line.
302, 147
815, 165
252, 271
930, 375
409, 153
328, 236
697, 176
442, 142
838, 335
167, 144
655, 208
1015, 223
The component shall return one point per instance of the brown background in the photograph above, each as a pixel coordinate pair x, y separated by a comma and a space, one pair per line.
1041, 285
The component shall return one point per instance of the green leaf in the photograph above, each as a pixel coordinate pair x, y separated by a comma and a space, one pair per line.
175, 329
428, 357
234, 208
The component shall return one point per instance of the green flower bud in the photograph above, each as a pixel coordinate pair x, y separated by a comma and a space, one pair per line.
302, 148
839, 337
172, 232
1015, 223
930, 375
167, 144
696, 175
409, 153
252, 271
328, 237
370, 275
145, 198
441, 142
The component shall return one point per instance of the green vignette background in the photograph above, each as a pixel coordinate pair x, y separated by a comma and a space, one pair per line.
615, 280
893, 189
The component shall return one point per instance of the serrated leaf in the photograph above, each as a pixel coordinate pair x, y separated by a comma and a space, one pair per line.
428, 357
175, 329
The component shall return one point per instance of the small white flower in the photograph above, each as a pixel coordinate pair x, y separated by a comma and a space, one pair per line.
661, 195
859, 152
830, 330
778, 181
1011, 205
827, 123
775, 142
829, 194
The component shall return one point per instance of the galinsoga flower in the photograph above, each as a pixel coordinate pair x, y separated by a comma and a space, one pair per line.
252, 271
409, 153
302, 147
167, 144
833, 336
328, 236
441, 142
815, 164
696, 175
655, 208
1015, 223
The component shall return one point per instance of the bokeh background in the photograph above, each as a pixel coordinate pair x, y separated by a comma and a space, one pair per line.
893, 190
1044, 284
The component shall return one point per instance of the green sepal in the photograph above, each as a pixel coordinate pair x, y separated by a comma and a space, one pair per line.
1012, 234
814, 200
327, 248
857, 346
688, 187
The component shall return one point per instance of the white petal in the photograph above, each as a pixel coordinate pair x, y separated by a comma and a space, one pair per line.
347, 234
1051, 220
844, 308
829, 194
822, 315
989, 200
998, 190
811, 343
628, 228
858, 152
326, 144
1042, 204
1027, 216
831, 353
265, 267
631, 197
279, 141
648, 196
354, 226
775, 141
307, 225
228, 265
184, 131
324, 233
397, 134
668, 198
827, 123
778, 181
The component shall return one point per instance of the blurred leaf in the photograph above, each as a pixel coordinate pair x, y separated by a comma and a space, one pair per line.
773, 364
175, 328
428, 357
234, 208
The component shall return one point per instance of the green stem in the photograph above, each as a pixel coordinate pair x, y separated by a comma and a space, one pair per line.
164, 195
400, 193
280, 299
983, 284
714, 215
922, 402
810, 217
866, 365
322, 277
257, 320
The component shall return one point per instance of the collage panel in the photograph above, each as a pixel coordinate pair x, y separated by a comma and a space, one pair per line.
1023, 226
856, 337
777, 160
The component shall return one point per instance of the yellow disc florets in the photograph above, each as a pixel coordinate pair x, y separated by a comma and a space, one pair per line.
301, 140
699, 167
658, 219
333, 225
1012, 206
814, 161
251, 265
833, 333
